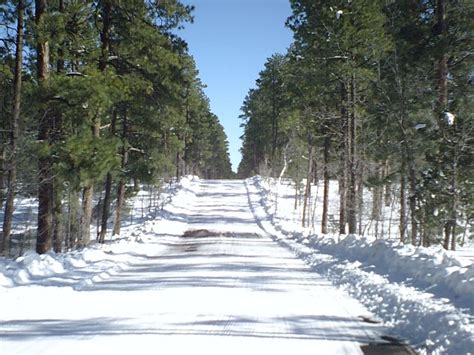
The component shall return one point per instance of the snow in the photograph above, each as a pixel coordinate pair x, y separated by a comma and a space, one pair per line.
449, 118
233, 290
219, 268
425, 294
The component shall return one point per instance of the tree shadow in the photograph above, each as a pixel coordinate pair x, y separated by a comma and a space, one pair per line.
300, 327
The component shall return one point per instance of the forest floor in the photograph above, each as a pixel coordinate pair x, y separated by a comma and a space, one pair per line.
215, 273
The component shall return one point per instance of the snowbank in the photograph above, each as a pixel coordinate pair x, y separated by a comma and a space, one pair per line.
424, 294
431, 268
81, 268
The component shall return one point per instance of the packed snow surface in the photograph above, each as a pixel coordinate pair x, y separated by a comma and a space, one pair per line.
231, 290
216, 273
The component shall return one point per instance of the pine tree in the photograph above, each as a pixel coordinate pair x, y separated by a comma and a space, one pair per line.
12, 160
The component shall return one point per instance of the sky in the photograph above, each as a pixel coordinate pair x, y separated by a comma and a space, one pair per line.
230, 41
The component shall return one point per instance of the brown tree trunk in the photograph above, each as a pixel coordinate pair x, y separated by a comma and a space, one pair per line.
3, 144
3, 188
45, 187
387, 185
454, 203
105, 34
297, 187
105, 51
108, 191
360, 197
119, 207
377, 199
88, 200
343, 177
12, 168
178, 162
324, 219
57, 216
403, 204
73, 228
412, 199
307, 193
86, 218
57, 136
121, 185
352, 196
106, 208
442, 61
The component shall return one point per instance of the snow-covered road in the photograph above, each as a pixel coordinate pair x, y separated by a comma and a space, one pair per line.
223, 287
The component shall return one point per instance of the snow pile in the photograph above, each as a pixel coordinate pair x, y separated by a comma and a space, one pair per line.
40, 265
175, 210
433, 326
429, 268
81, 268
432, 267
420, 292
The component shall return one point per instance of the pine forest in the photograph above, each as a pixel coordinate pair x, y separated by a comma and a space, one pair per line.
377, 95
96, 98
101, 97
237, 177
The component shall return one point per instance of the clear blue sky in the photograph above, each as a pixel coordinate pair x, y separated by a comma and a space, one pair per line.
231, 41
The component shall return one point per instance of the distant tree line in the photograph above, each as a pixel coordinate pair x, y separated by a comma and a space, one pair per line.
377, 94
97, 97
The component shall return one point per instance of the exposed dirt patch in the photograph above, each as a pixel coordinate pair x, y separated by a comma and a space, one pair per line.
391, 346
200, 233
205, 233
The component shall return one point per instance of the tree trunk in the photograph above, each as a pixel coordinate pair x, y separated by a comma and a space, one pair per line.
442, 61
57, 136
377, 196
121, 185
105, 34
324, 218
108, 191
441, 107
106, 208
45, 187
119, 207
307, 193
73, 225
352, 196
57, 223
360, 197
12, 168
454, 203
343, 177
412, 199
178, 171
3, 188
105, 50
403, 204
297, 187
387, 185
87, 201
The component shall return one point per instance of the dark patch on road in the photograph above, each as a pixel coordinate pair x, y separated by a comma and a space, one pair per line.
390, 346
369, 320
200, 233
205, 233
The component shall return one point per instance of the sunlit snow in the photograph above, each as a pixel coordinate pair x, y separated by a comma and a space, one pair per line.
219, 270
